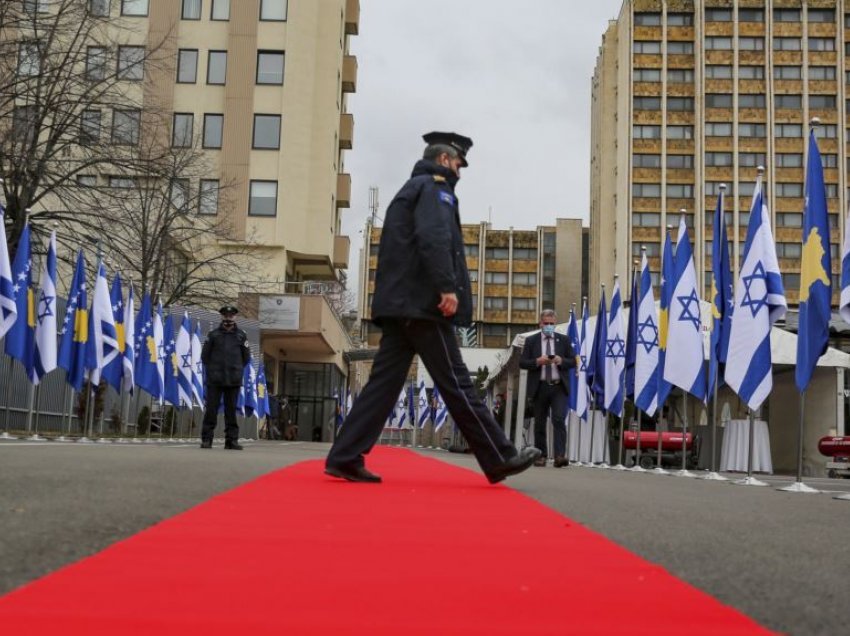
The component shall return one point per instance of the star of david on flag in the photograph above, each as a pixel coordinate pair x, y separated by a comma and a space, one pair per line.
44, 360
646, 356
615, 355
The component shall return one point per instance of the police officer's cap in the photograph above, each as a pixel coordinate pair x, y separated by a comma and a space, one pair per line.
458, 142
228, 310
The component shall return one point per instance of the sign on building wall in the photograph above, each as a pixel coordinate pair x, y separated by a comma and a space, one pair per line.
280, 312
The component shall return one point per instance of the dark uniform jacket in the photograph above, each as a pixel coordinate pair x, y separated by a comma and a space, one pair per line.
532, 349
421, 253
225, 354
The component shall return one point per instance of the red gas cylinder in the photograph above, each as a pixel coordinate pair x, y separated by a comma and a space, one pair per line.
834, 446
649, 439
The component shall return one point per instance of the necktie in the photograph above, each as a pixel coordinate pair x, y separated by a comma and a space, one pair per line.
547, 373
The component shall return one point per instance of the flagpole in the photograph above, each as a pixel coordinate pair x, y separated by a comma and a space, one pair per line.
798, 485
684, 472
62, 437
84, 429
8, 375
637, 467
36, 437
713, 475
619, 465
749, 480
659, 469
592, 409
31, 407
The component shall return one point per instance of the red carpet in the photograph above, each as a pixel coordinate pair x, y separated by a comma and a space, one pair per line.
433, 550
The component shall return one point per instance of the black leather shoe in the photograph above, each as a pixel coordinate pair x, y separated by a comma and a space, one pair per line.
560, 462
520, 462
207, 443
358, 473
233, 446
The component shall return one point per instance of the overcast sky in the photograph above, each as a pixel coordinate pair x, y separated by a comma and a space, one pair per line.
513, 76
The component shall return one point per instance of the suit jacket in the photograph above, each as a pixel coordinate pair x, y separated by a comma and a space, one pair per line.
531, 351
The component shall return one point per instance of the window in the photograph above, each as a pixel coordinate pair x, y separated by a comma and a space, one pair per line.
525, 253
523, 304
746, 188
751, 101
646, 219
787, 44
787, 15
751, 44
712, 188
646, 161
646, 190
752, 130
220, 10
789, 250
822, 102
680, 132
122, 182
680, 19
821, 44
470, 250
680, 103
718, 15
125, 127
751, 72
134, 7
89, 127
217, 67
646, 47
788, 72
473, 276
208, 197
36, 6
829, 160
495, 302
273, 10
752, 159
827, 131
788, 130
647, 75
263, 198
496, 278
87, 180
718, 159
821, 15
646, 132
680, 161
715, 43
647, 103
680, 76
715, 71
266, 132
718, 100
831, 190
191, 9
99, 8
187, 66
791, 281
525, 278
131, 61
29, 59
496, 330
647, 19
750, 15
789, 160
822, 72
95, 63
680, 48
270, 67
788, 101
496, 253
181, 130
180, 194
213, 125
789, 190
24, 124
680, 191
652, 249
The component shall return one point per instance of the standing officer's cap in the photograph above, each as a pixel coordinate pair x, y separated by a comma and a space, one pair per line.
458, 142
228, 310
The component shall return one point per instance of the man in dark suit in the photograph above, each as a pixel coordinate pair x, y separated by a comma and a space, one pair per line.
549, 359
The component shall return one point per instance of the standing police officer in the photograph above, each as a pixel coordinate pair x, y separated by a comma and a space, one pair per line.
421, 288
225, 354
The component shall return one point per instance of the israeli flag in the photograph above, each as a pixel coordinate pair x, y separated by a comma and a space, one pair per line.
197, 366
8, 306
103, 345
646, 354
129, 357
584, 348
400, 411
44, 360
159, 347
685, 363
441, 412
183, 354
422, 403
759, 302
615, 354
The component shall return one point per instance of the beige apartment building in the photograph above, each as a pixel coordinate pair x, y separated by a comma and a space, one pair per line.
515, 274
689, 95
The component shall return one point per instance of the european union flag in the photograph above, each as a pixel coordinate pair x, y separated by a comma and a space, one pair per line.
147, 354
815, 279
668, 279
75, 328
722, 296
20, 339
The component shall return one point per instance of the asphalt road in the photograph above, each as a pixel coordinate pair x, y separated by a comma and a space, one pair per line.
781, 558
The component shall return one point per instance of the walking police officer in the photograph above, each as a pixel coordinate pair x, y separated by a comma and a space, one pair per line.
421, 288
225, 354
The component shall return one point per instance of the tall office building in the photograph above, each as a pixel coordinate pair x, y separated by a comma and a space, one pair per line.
515, 274
691, 94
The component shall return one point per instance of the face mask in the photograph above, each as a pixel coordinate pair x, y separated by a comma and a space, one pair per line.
227, 324
548, 329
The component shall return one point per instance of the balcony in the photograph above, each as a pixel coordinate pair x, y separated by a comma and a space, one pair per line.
349, 74
343, 190
346, 131
352, 17
342, 247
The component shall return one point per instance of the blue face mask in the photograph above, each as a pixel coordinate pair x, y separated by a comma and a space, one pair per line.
548, 329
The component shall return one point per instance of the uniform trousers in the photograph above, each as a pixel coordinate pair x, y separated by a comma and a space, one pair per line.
435, 343
214, 395
550, 398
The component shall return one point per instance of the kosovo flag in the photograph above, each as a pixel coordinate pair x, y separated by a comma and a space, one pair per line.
170, 367
20, 339
74, 333
147, 371
668, 280
113, 373
262, 392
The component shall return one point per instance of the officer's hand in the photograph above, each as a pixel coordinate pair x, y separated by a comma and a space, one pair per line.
448, 304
